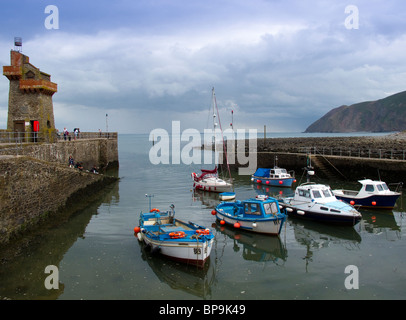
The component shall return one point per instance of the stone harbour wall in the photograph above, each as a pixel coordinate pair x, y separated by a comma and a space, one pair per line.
341, 158
31, 190
36, 181
100, 152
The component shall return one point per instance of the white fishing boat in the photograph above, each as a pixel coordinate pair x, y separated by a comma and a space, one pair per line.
317, 202
178, 240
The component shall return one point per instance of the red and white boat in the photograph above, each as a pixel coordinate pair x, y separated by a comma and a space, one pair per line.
209, 180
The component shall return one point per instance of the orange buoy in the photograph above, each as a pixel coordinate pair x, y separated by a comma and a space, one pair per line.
222, 222
258, 181
237, 225
374, 203
177, 235
267, 182
280, 181
203, 231
352, 202
213, 212
154, 209
137, 229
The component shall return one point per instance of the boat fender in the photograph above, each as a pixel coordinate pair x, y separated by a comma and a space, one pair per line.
177, 235
300, 212
139, 236
154, 209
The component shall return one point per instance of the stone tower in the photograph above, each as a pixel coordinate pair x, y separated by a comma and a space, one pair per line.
30, 108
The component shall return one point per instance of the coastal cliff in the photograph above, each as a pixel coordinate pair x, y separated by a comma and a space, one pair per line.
384, 115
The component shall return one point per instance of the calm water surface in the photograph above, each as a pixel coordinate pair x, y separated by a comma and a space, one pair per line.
99, 258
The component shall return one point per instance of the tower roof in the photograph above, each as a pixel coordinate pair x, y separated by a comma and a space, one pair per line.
31, 78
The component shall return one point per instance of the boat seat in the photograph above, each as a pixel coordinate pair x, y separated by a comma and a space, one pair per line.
171, 229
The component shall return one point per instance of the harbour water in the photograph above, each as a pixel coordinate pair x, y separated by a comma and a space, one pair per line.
98, 257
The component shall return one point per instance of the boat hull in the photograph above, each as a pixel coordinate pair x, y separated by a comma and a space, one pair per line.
189, 252
271, 226
219, 186
315, 214
282, 182
373, 202
225, 196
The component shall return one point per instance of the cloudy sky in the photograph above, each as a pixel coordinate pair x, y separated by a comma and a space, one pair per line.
146, 63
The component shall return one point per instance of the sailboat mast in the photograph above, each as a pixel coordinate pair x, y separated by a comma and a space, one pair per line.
214, 125
216, 112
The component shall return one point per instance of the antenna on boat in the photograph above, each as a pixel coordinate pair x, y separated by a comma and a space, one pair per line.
309, 169
149, 196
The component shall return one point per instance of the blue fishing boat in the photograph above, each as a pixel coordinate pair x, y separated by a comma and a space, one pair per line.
178, 240
276, 177
261, 214
373, 194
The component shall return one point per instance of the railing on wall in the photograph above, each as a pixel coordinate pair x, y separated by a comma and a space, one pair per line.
394, 154
86, 135
33, 137
19, 137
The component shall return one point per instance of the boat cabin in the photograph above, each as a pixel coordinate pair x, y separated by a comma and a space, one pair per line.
376, 187
278, 173
274, 173
258, 207
308, 192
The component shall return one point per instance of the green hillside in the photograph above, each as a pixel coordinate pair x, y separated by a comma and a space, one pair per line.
384, 115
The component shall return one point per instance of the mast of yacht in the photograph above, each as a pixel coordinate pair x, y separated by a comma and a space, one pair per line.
214, 126
215, 113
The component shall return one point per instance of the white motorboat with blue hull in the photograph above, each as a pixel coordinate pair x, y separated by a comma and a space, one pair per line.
317, 202
173, 238
373, 194
261, 215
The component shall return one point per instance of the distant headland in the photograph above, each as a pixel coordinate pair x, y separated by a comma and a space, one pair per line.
383, 115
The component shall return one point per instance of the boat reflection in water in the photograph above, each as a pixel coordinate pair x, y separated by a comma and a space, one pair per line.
315, 236
188, 278
255, 246
382, 222
275, 192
